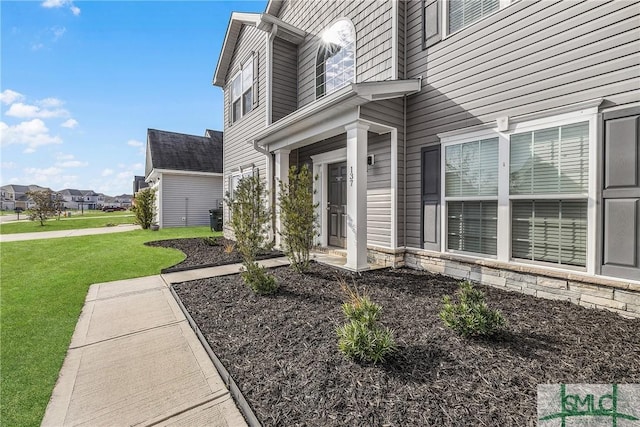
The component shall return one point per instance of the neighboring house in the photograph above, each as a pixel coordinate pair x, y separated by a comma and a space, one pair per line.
73, 199
123, 201
15, 196
186, 172
138, 184
493, 140
91, 199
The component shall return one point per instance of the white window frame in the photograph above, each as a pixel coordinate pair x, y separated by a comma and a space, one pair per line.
589, 115
445, 17
246, 65
456, 140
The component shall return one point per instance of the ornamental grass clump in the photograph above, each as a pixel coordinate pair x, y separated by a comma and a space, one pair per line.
470, 316
362, 338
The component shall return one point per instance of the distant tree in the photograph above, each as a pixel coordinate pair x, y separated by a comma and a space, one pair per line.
144, 207
47, 204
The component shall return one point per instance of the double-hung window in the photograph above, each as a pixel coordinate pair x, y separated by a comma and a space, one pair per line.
471, 195
522, 194
548, 188
462, 13
242, 91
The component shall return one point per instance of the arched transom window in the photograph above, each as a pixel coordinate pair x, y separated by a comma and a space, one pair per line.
335, 64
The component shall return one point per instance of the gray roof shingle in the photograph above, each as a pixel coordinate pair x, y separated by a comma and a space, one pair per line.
178, 151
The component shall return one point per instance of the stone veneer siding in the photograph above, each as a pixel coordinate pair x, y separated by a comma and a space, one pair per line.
619, 296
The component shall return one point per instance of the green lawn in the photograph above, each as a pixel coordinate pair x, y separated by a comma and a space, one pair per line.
43, 284
71, 223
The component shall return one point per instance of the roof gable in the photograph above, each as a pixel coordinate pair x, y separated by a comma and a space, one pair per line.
178, 151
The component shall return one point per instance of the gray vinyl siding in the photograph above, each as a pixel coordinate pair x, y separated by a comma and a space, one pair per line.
391, 113
529, 57
372, 21
238, 150
378, 182
188, 197
284, 80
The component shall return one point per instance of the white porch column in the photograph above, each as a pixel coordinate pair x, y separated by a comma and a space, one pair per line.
282, 175
357, 196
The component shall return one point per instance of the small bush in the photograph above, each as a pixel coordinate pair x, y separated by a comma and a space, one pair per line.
471, 316
211, 241
362, 338
299, 219
144, 207
258, 280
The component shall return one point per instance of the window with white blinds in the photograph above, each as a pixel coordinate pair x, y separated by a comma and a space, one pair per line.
550, 161
242, 91
471, 173
545, 163
550, 231
472, 226
471, 169
465, 12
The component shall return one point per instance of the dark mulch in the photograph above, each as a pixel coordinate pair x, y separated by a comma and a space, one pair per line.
282, 351
201, 253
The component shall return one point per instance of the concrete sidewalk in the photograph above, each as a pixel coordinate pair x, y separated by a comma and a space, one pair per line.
18, 237
134, 360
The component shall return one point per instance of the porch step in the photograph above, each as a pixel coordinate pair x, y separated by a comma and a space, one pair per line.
330, 251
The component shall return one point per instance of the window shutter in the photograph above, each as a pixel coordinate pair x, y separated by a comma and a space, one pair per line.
432, 30
256, 78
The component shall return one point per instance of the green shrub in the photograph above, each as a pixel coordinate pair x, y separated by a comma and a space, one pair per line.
256, 277
211, 241
144, 207
362, 338
470, 316
250, 220
299, 219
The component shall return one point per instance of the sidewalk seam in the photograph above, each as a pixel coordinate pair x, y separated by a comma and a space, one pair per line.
128, 334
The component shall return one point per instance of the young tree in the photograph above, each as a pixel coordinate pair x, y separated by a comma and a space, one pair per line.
47, 204
250, 223
298, 215
144, 207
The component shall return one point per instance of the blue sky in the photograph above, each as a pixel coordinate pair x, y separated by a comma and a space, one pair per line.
81, 81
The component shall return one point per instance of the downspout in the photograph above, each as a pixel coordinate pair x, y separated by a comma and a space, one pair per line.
404, 135
269, 181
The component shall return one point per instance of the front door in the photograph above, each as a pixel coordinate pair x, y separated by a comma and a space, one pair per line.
337, 205
621, 195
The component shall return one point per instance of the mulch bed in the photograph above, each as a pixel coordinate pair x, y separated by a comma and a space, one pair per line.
203, 252
282, 351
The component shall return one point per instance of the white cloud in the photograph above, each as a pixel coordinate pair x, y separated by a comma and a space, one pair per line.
50, 177
71, 124
25, 111
62, 156
50, 103
9, 96
135, 143
37, 46
8, 165
33, 134
58, 32
107, 172
50, 4
72, 164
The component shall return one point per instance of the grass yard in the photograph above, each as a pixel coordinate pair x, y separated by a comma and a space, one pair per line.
71, 223
43, 284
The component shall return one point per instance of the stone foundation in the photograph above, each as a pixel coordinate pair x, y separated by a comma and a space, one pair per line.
619, 296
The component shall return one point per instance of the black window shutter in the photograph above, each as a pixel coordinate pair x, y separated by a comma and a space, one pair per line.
431, 27
256, 78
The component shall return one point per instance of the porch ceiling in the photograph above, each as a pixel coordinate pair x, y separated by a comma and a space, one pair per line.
327, 116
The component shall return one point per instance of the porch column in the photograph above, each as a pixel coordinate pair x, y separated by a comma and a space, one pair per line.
282, 175
357, 196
